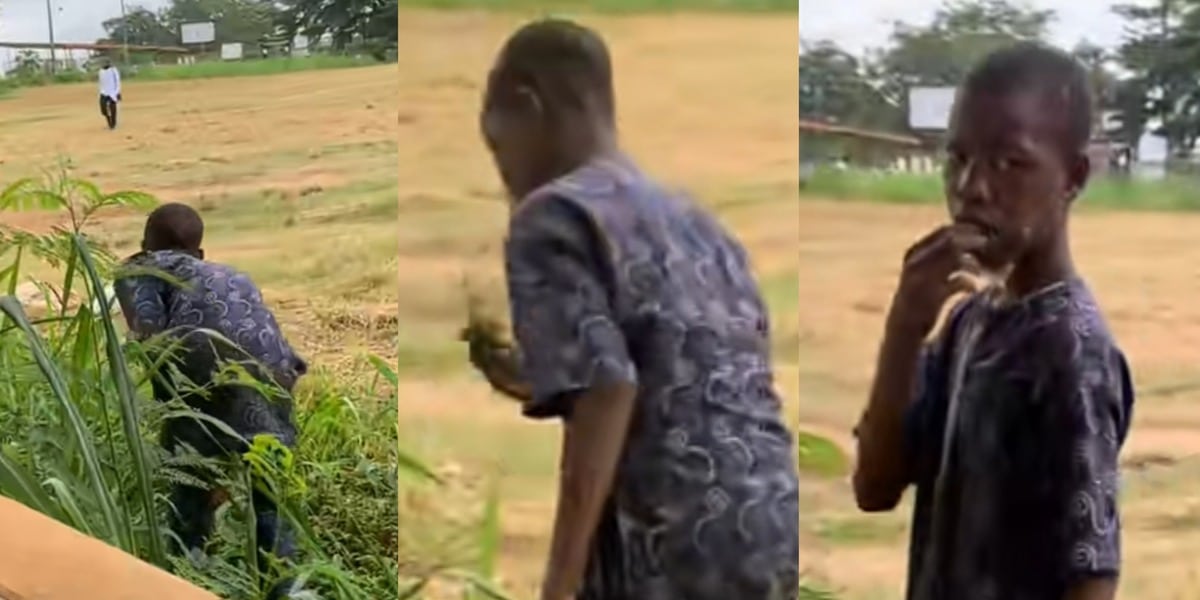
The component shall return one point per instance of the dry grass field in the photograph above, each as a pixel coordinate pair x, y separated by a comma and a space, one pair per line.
1142, 266
294, 175
736, 151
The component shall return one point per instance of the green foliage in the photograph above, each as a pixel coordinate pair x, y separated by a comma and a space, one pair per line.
78, 429
374, 22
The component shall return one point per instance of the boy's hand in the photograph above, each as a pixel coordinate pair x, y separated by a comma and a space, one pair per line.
933, 271
495, 357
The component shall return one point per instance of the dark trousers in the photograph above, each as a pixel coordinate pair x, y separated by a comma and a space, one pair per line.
195, 507
108, 108
193, 517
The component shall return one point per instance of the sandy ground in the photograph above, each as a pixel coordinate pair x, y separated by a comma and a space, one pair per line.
1143, 269
294, 175
733, 150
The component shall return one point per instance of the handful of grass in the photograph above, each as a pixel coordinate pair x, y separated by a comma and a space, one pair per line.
492, 352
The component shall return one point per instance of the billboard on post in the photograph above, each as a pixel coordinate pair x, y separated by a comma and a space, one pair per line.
233, 51
929, 107
197, 33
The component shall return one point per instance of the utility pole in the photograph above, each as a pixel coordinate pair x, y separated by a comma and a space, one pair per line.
124, 35
1163, 40
50, 23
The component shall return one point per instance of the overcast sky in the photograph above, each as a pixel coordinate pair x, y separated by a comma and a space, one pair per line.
74, 20
860, 24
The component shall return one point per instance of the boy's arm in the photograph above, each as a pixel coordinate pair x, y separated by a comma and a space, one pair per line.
143, 303
883, 469
578, 368
890, 434
902, 426
1087, 412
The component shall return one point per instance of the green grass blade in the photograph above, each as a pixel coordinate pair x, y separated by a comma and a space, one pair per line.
115, 534
127, 403
18, 484
385, 371
490, 534
70, 506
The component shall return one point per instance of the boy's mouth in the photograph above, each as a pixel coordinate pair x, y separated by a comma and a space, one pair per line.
982, 226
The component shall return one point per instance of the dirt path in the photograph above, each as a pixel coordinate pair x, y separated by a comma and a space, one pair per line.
1143, 268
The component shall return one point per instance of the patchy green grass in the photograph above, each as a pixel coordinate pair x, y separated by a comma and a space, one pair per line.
211, 69
820, 457
251, 67
1170, 194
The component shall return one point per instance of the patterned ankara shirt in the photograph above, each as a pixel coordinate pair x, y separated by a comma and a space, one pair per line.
219, 298
1022, 501
612, 279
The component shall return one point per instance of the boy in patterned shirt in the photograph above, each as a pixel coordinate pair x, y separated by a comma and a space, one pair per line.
206, 298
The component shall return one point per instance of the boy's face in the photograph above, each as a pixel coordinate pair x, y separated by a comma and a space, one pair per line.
514, 128
1008, 172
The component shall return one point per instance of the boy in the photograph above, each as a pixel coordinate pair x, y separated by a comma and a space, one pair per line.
1010, 423
640, 326
217, 298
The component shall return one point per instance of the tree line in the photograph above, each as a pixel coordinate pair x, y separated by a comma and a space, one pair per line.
248, 21
1150, 82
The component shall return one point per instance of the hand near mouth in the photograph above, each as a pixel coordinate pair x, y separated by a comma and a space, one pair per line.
932, 272
969, 239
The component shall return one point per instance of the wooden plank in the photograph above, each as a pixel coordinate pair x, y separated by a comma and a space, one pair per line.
42, 559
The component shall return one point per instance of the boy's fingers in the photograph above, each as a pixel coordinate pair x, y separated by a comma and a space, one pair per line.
963, 281
932, 240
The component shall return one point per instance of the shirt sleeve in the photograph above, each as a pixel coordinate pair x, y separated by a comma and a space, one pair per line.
143, 303
559, 287
922, 439
1087, 407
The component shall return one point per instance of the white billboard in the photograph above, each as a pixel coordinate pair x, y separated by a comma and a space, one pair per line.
929, 107
197, 33
231, 51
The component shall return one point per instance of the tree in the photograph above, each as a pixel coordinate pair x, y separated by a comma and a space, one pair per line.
141, 27
1161, 50
961, 34
245, 21
836, 87
372, 21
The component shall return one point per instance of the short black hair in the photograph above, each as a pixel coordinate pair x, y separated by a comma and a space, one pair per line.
174, 226
565, 62
1034, 67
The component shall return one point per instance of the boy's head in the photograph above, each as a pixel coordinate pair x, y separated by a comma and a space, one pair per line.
1017, 149
549, 99
174, 226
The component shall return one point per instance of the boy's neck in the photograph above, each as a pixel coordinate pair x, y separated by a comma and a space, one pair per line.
1042, 268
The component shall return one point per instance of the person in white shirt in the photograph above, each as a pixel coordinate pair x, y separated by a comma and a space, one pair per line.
110, 92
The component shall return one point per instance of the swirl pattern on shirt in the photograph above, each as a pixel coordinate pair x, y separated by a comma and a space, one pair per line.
1028, 501
613, 279
218, 298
